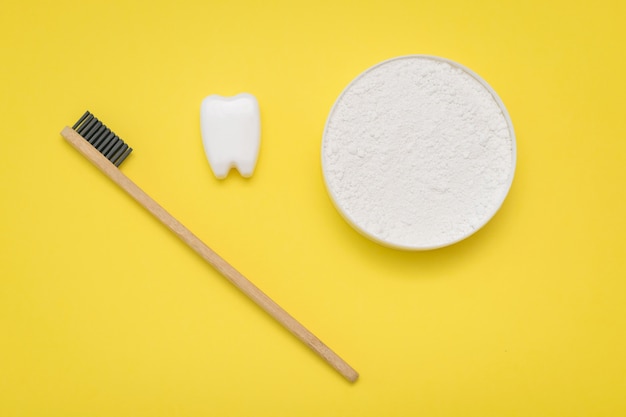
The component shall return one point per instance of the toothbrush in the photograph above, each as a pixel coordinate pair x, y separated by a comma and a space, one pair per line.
107, 151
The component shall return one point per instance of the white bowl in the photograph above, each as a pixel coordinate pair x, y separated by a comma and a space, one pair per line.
397, 203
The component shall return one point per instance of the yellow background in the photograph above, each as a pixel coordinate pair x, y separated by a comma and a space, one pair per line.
104, 313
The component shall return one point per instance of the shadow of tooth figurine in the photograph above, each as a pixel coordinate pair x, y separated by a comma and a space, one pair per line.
231, 133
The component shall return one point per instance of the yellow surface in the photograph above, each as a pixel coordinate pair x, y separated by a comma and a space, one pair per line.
104, 313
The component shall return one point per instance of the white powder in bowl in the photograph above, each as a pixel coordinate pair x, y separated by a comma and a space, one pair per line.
418, 152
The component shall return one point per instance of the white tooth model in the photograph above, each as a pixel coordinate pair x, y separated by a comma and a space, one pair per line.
231, 133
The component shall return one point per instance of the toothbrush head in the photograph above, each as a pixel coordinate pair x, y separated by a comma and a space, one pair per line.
102, 138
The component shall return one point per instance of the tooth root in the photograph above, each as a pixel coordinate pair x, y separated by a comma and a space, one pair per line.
231, 133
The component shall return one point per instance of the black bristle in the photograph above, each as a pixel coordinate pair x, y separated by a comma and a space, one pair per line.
84, 123
92, 131
87, 124
109, 146
118, 153
83, 117
94, 138
113, 150
124, 156
102, 138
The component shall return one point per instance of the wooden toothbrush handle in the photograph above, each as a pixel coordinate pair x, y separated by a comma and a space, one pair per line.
231, 274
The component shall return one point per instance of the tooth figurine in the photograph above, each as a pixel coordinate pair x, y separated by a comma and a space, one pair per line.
231, 133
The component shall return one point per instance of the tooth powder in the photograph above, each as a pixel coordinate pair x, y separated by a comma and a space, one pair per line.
418, 153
